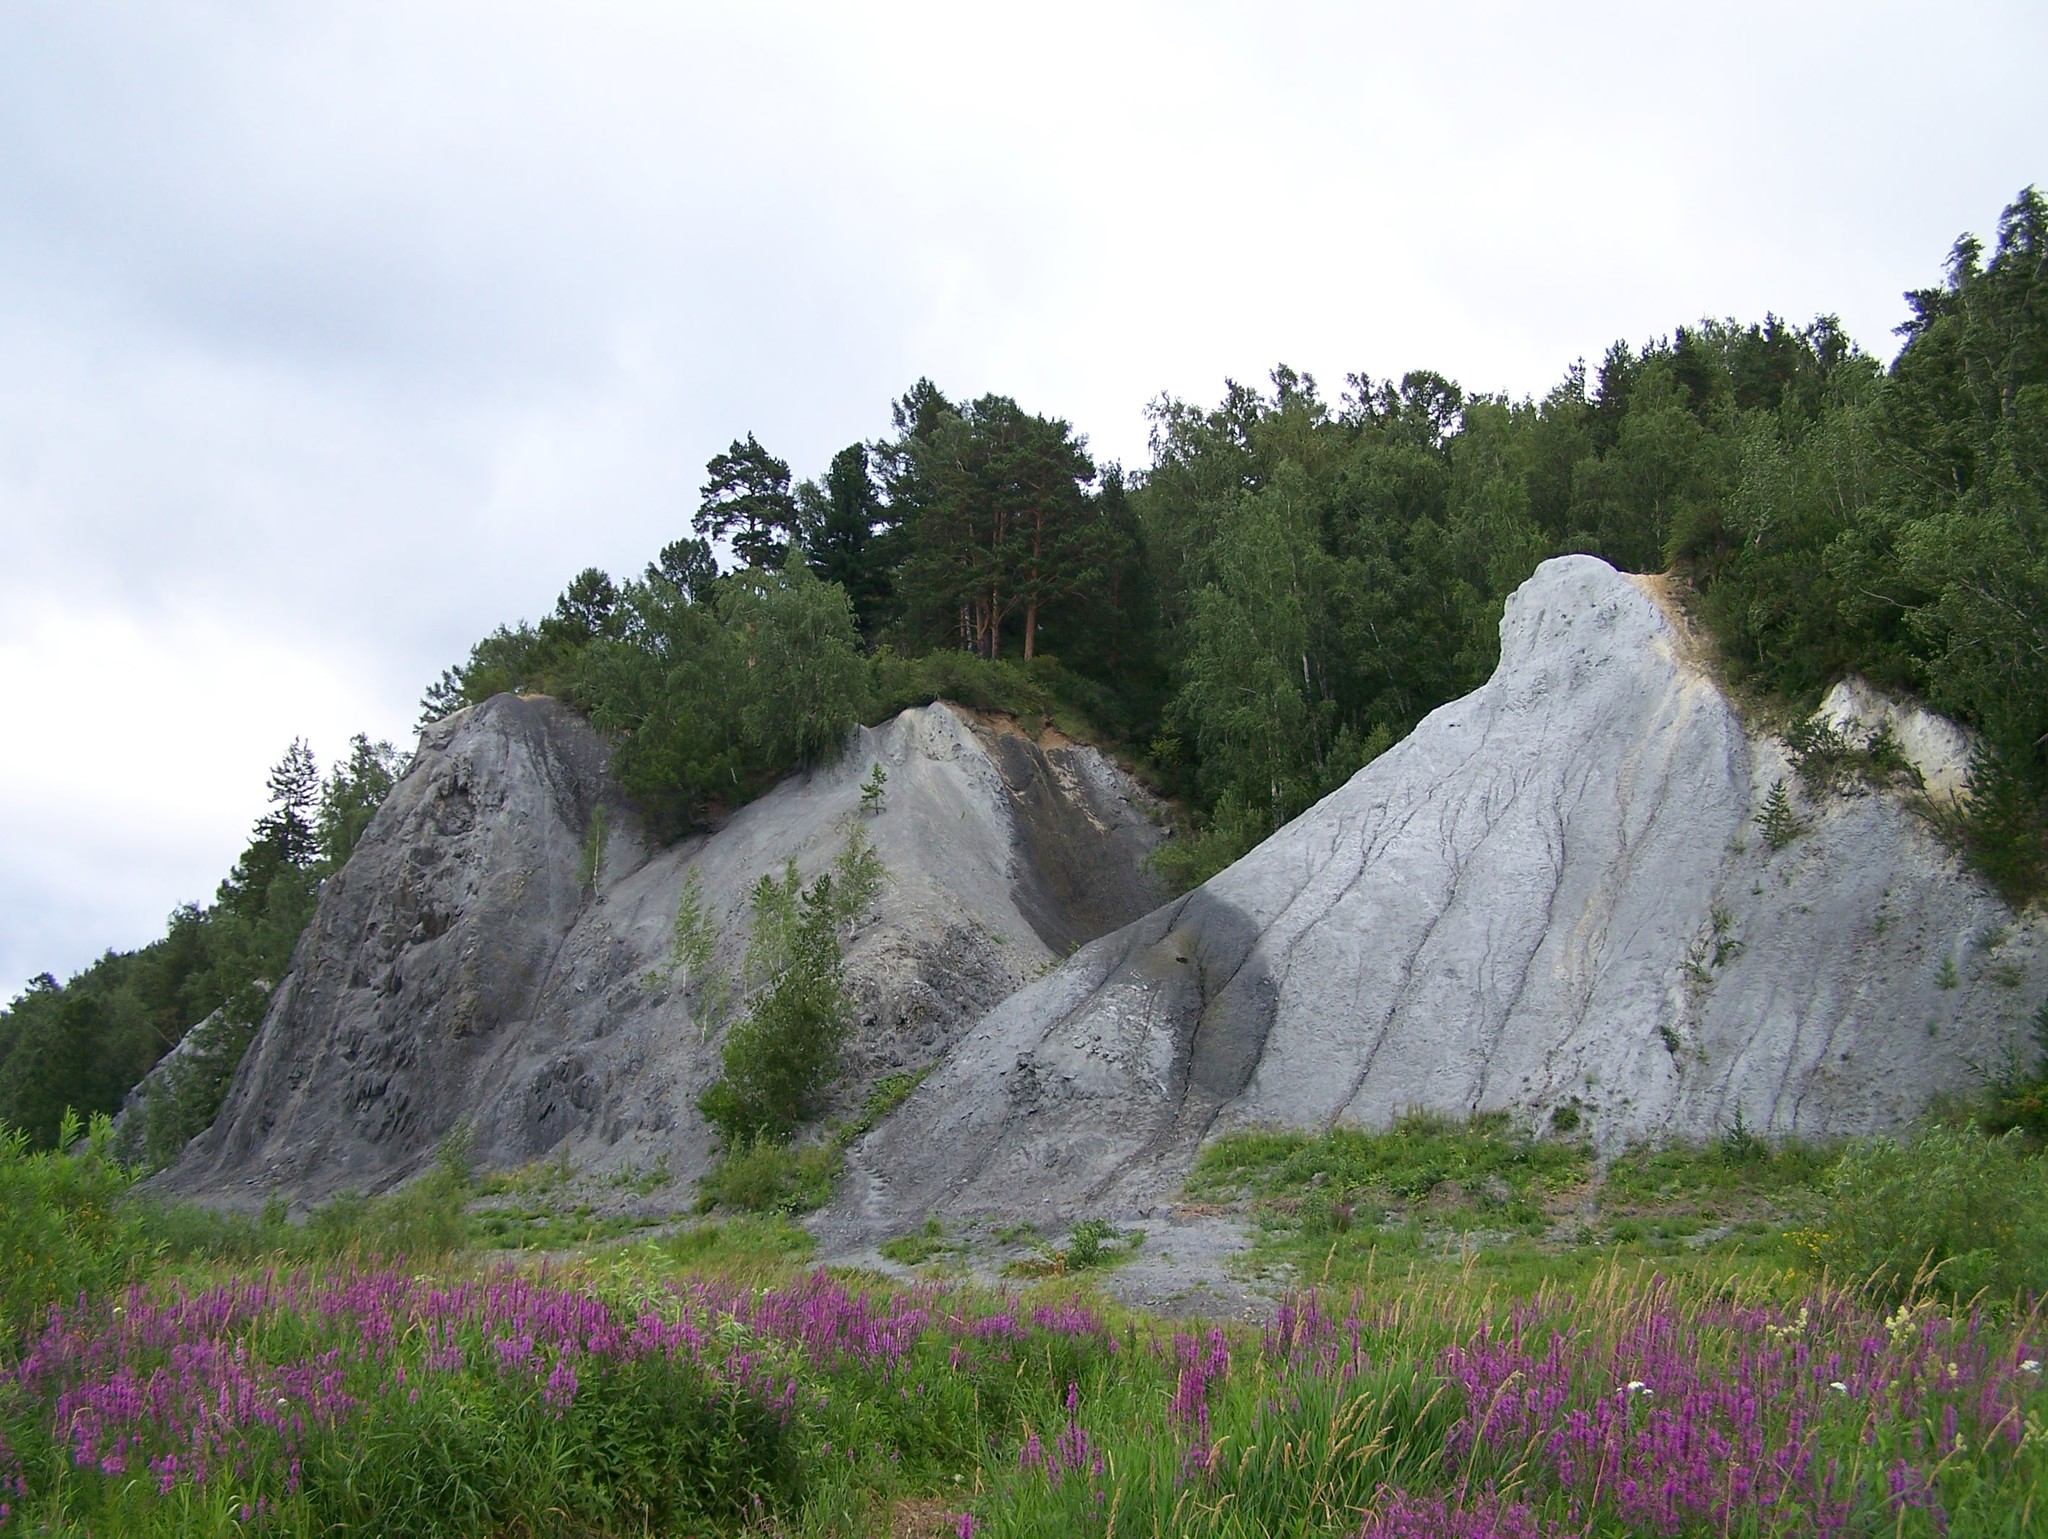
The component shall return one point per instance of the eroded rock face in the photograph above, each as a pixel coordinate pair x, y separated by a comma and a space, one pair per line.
1554, 898
461, 968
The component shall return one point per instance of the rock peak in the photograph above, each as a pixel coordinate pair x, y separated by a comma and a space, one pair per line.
1552, 899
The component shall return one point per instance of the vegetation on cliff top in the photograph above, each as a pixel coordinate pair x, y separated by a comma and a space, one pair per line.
1287, 589
1294, 583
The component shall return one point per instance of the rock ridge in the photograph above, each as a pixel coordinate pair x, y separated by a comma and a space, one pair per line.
1558, 897
461, 968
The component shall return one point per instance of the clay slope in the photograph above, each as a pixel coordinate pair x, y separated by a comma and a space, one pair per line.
460, 968
1554, 894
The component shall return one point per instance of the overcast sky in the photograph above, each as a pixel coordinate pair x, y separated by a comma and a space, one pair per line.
331, 336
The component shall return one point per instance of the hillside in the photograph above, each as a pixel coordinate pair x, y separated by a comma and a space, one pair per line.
1570, 896
502, 951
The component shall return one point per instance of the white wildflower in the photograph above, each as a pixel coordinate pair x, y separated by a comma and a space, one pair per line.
1839, 1387
2031, 1365
1637, 1387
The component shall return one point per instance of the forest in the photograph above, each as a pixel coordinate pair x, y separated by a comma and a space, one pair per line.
1289, 586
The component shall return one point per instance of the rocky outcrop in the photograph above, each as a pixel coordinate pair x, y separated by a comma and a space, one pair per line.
1564, 896
498, 950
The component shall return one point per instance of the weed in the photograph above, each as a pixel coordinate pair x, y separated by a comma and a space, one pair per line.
1306, 1179
421, 1221
764, 1176
1946, 976
642, 1183
742, 1242
549, 1229
889, 1092
595, 839
1779, 823
1953, 1208
916, 1249
872, 791
533, 1179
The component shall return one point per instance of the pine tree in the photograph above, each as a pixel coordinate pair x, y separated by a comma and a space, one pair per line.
294, 786
747, 501
846, 531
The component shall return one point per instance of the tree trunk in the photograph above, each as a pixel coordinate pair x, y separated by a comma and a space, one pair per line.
1030, 628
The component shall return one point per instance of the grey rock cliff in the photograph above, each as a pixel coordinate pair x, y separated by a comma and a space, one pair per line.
460, 968
1554, 894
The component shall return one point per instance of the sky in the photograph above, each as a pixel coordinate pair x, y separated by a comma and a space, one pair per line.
332, 336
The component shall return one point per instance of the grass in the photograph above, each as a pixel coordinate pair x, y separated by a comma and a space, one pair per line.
769, 1176
928, 1244
1457, 1368
547, 1228
1433, 1203
708, 1384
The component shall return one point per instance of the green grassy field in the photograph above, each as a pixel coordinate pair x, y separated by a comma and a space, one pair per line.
1484, 1335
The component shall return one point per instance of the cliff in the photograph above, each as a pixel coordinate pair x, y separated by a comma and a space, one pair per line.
1559, 897
498, 950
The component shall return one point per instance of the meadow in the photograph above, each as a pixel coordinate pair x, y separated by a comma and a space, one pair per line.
1476, 1344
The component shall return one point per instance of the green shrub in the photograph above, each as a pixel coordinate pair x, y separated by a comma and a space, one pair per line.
1779, 823
191, 1231
763, 1176
782, 1056
1231, 831
1970, 1211
898, 683
64, 1229
646, 1444
2004, 828
2018, 1100
1092, 1242
873, 791
916, 1249
421, 1220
